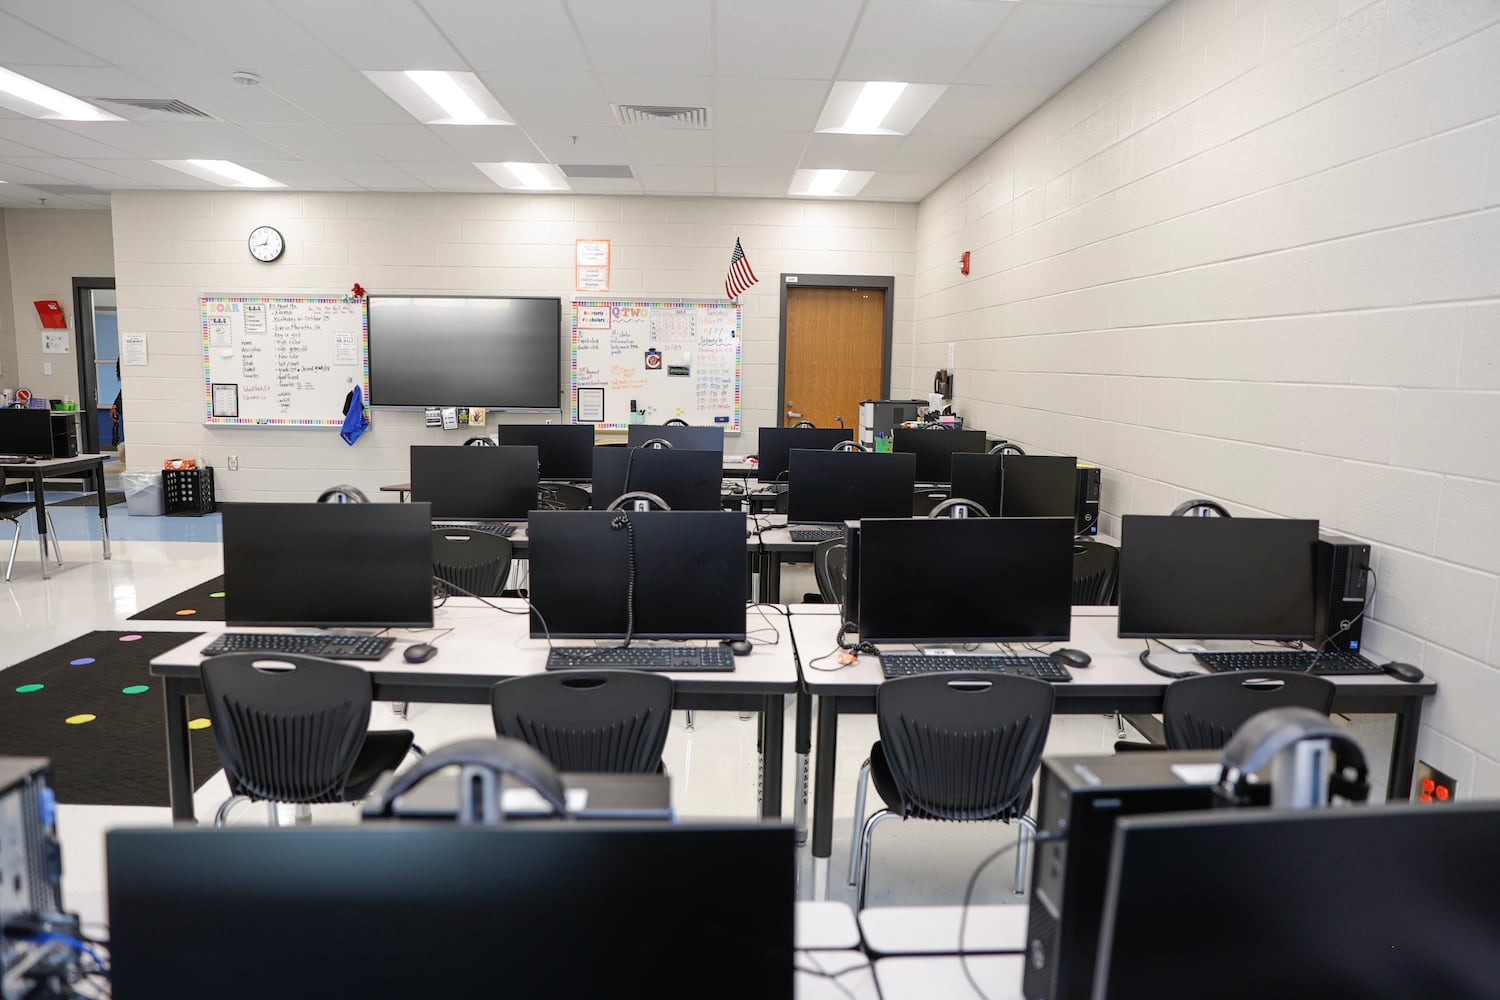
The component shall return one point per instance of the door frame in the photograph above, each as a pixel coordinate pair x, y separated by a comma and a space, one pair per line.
83, 334
885, 282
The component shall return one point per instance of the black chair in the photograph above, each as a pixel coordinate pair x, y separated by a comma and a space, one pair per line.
960, 747
297, 735
476, 561
924, 501
1202, 713
564, 496
831, 570
612, 721
1200, 508
1096, 569
14, 510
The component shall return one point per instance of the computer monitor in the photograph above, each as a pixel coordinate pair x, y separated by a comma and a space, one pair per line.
981, 579
693, 438
776, 442
830, 487
935, 449
566, 451
321, 564
1039, 486
475, 483
1384, 901
686, 480
977, 477
1216, 577
689, 574
25, 432
525, 909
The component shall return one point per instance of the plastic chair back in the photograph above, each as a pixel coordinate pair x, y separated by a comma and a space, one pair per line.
1202, 713
565, 496
287, 735
831, 570
964, 746
477, 561
612, 721
1096, 567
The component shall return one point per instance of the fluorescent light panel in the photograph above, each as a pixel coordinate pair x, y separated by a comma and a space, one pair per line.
877, 107
37, 100
225, 172
517, 176
874, 102
436, 97
829, 183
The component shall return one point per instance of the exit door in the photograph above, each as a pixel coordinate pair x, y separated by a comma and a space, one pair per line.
836, 352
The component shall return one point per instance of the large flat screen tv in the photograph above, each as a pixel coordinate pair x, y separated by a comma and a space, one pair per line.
503, 353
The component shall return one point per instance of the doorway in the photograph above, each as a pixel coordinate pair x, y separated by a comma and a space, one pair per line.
835, 346
102, 418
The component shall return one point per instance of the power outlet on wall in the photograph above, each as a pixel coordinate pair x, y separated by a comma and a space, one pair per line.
46, 368
234, 463
1433, 786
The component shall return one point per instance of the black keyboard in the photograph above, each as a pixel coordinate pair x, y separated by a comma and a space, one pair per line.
502, 528
1042, 668
1289, 659
817, 534
684, 659
336, 647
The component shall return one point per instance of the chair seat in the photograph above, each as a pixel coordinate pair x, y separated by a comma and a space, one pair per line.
383, 751
885, 787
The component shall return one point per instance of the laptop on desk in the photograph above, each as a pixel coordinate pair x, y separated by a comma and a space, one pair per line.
475, 487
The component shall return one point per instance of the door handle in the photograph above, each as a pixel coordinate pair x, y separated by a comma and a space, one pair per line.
791, 414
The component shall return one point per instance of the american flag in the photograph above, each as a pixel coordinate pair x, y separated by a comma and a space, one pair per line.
740, 276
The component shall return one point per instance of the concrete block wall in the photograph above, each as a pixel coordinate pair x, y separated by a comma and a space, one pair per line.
1251, 254
8, 372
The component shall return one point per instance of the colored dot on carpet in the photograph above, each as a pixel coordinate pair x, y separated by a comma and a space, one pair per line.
82, 661
188, 611
217, 593
79, 720
132, 637
199, 724
136, 689
29, 688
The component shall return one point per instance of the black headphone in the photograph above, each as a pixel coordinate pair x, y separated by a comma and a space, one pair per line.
1188, 506
655, 443
625, 501
497, 755
1006, 448
803, 423
1265, 735
952, 503
480, 441
350, 494
849, 446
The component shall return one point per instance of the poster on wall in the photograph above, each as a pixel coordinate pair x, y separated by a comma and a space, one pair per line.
56, 341
133, 349
591, 265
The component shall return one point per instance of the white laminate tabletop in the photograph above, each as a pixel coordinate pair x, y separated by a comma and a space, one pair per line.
826, 925
928, 977
933, 930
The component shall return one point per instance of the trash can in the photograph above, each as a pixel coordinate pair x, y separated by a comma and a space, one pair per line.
143, 493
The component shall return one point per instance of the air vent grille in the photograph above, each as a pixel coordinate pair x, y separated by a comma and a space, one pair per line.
597, 170
167, 105
660, 115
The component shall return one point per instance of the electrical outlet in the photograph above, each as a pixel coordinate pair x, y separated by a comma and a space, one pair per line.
1433, 786
234, 463
46, 368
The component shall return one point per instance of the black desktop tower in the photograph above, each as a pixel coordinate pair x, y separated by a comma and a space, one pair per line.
851, 572
64, 437
1342, 582
1087, 500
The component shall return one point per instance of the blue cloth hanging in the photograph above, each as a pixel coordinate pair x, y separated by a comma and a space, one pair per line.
356, 421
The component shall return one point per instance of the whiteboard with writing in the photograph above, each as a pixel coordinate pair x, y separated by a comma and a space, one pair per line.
672, 360
282, 361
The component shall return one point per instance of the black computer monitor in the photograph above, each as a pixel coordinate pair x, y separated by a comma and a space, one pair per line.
978, 477
1039, 486
689, 574
935, 449
775, 442
566, 451
830, 487
475, 483
1384, 901
26, 432
1216, 577
526, 909
362, 564
686, 480
693, 438
982, 579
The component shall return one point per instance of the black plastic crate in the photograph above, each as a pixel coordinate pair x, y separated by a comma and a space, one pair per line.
188, 492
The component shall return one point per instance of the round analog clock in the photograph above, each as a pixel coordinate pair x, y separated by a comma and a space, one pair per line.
266, 244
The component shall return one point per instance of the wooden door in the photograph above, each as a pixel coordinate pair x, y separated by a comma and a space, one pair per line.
835, 354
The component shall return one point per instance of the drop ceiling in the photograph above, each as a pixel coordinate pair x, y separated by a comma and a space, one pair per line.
762, 68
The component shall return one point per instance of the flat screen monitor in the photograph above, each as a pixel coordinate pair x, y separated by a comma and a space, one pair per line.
328, 564
525, 909
686, 480
979, 579
1039, 486
444, 350
25, 432
935, 449
693, 438
1216, 577
475, 483
566, 451
776, 442
1383, 901
689, 574
831, 487
978, 477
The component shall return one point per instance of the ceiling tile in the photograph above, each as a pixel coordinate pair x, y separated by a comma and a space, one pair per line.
90, 82
685, 147
214, 92
772, 181
220, 141
248, 36
301, 176
114, 33
641, 88
550, 98
980, 111
24, 171
510, 37
664, 36
488, 143
21, 43
901, 187
402, 142
445, 176
919, 41
376, 175
593, 145
1046, 45
45, 137
134, 139
377, 34
605, 185
662, 179
313, 142
73, 171
144, 172
783, 38
849, 152
339, 97
935, 154
773, 105
758, 149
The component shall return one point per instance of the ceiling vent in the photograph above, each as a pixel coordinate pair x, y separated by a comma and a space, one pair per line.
159, 105
660, 116
67, 189
613, 170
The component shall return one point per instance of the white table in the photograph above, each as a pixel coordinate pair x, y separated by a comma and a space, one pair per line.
933, 930
926, 978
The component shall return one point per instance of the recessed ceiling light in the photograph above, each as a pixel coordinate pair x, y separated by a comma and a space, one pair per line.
436, 97
829, 183
517, 176
37, 100
225, 172
878, 107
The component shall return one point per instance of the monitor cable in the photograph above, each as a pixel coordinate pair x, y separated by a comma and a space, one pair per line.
1369, 599
1037, 838
1175, 675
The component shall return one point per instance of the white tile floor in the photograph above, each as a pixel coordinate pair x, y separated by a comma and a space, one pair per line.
713, 768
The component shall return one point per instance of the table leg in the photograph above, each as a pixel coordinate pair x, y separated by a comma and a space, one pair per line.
773, 735
802, 742
39, 499
828, 740
98, 477
773, 578
1404, 750
179, 752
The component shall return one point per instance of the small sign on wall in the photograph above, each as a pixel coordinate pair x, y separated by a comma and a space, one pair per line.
133, 349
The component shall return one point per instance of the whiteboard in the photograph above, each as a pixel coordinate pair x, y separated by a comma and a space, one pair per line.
282, 361
676, 360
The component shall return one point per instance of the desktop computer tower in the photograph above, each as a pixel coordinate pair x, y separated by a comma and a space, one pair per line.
1341, 585
1087, 500
851, 572
878, 416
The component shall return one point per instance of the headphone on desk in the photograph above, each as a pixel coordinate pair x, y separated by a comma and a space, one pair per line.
343, 494
481, 758
1268, 733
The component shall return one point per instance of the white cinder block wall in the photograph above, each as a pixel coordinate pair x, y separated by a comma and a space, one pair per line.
1254, 254
171, 248
7, 316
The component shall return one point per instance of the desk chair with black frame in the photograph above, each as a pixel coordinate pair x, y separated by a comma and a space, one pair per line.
1202, 713
610, 721
953, 746
14, 510
1096, 570
478, 562
831, 570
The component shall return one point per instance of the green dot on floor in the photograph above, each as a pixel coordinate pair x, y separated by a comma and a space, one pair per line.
29, 688
136, 689
219, 593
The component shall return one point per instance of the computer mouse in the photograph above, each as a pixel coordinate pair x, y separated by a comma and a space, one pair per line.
420, 652
28, 460
739, 647
1409, 672
1075, 658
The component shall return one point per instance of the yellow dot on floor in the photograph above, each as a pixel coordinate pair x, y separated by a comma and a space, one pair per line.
80, 720
188, 611
196, 723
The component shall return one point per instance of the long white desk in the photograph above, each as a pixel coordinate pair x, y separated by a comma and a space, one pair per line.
486, 646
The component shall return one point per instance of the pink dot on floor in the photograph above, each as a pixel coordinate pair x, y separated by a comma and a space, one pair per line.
82, 661
132, 637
